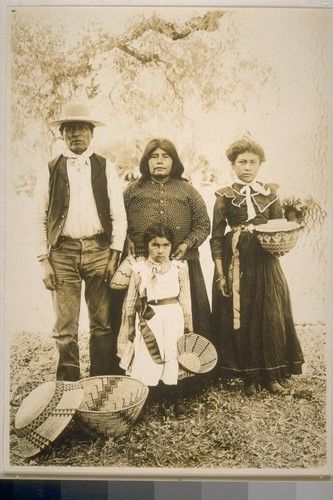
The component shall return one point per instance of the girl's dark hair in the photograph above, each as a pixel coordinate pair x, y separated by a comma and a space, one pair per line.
177, 166
157, 230
243, 146
62, 126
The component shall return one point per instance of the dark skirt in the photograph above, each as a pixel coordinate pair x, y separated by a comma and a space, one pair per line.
264, 344
201, 313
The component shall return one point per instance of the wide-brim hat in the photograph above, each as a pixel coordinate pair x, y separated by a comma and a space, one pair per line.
45, 413
76, 112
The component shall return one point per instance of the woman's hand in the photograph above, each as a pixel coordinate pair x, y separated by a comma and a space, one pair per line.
179, 253
223, 286
280, 254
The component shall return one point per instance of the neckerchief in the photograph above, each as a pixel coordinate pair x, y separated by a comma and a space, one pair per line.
157, 268
78, 161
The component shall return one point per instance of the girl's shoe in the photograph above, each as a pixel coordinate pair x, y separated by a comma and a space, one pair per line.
250, 389
179, 411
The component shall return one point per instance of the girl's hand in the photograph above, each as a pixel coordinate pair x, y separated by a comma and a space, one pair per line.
223, 286
188, 327
131, 334
131, 328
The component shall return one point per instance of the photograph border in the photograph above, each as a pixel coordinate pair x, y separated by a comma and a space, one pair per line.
129, 473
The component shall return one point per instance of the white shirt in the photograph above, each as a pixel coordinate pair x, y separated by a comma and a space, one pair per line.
82, 218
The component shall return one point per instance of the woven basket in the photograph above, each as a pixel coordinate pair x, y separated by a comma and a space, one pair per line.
44, 414
110, 405
278, 236
196, 354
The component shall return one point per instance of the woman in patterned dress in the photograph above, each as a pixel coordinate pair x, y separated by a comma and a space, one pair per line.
251, 308
161, 194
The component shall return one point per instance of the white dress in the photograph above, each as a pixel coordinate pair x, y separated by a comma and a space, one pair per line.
167, 324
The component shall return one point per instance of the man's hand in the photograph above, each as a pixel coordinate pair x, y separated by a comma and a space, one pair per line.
112, 266
48, 275
180, 252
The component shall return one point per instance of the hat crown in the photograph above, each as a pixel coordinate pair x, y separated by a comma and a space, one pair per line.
75, 110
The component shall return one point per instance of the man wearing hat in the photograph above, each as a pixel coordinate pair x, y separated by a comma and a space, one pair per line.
81, 227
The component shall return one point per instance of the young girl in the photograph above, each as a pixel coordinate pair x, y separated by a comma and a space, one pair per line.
251, 306
158, 311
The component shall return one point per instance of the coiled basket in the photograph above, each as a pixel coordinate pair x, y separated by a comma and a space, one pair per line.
196, 354
110, 405
278, 236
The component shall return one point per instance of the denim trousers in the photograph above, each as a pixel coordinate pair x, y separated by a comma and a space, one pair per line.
75, 261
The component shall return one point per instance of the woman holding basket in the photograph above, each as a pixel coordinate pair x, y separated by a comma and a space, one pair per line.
252, 315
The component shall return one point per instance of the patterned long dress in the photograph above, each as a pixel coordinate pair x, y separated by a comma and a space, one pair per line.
253, 328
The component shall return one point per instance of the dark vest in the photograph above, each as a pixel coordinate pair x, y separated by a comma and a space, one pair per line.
59, 196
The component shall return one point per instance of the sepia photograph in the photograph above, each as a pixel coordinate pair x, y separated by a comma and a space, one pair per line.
168, 242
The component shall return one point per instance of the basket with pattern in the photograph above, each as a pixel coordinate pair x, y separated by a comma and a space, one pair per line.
44, 414
110, 405
278, 236
196, 354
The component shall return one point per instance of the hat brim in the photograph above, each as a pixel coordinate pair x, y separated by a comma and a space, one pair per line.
84, 119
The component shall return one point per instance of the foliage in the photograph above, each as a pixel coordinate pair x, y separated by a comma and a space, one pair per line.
303, 211
223, 429
155, 70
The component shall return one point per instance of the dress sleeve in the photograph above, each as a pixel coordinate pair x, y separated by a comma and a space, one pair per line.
132, 293
219, 226
200, 221
184, 290
275, 210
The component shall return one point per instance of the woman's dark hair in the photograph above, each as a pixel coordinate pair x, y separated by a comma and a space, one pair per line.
63, 125
243, 146
177, 166
157, 230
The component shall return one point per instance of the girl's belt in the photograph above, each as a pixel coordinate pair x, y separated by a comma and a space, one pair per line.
163, 302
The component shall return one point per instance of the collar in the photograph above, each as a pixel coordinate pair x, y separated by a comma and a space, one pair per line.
256, 186
158, 267
161, 183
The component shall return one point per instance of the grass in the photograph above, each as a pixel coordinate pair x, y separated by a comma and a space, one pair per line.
223, 428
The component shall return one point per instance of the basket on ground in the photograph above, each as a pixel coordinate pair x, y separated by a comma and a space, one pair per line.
44, 414
110, 405
278, 236
196, 354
